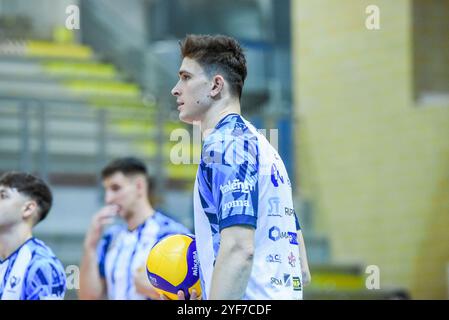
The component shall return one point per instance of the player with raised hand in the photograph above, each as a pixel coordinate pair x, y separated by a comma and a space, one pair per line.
113, 264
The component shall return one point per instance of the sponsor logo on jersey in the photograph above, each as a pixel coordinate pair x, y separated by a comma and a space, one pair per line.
273, 210
276, 281
14, 281
236, 203
296, 284
287, 280
276, 177
293, 237
292, 260
274, 258
236, 186
289, 211
276, 234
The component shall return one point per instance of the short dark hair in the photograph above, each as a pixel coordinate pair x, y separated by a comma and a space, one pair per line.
218, 53
31, 186
128, 166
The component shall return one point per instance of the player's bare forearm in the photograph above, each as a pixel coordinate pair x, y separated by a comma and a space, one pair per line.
234, 264
306, 277
92, 287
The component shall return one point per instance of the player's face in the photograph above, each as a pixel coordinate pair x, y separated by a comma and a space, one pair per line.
192, 91
12, 204
121, 191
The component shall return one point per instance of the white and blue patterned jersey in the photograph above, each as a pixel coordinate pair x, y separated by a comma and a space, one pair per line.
121, 252
32, 272
241, 180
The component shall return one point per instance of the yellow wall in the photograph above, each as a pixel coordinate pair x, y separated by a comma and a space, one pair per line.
373, 161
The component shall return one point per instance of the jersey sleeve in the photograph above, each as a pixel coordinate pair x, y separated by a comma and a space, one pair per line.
230, 167
45, 280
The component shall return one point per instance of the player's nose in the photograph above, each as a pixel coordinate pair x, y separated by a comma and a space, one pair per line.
175, 91
109, 198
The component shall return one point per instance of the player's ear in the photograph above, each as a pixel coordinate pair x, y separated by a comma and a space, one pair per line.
217, 85
29, 209
140, 185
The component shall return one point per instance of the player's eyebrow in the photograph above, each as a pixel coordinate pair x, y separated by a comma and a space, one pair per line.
181, 72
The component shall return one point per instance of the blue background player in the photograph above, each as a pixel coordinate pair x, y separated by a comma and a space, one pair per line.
28, 268
113, 264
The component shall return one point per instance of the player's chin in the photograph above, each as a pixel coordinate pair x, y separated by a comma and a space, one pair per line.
185, 118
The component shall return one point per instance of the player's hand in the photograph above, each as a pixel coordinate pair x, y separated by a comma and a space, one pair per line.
102, 218
143, 285
181, 296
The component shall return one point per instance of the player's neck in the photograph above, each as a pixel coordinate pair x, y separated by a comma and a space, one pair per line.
141, 212
12, 238
216, 113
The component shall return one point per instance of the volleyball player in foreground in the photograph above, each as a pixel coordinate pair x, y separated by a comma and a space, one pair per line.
249, 241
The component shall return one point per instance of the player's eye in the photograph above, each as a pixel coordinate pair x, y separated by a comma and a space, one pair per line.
115, 188
185, 77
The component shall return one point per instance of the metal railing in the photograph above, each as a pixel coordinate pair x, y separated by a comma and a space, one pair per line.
51, 136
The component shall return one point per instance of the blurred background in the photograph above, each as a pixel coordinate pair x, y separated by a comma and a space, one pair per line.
362, 118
